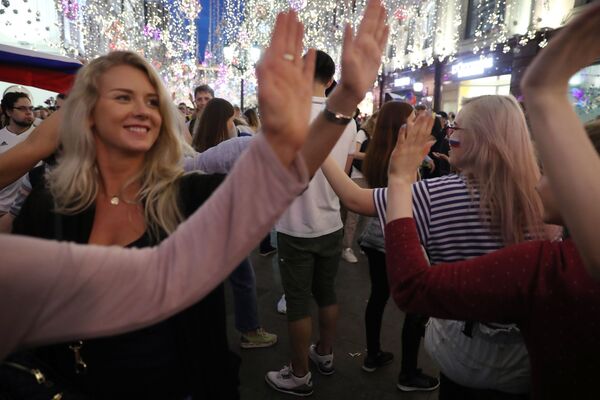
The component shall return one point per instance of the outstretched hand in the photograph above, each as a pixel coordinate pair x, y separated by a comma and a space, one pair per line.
574, 47
413, 144
285, 85
361, 54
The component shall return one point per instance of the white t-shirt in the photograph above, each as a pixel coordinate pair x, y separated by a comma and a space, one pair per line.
361, 136
9, 140
317, 211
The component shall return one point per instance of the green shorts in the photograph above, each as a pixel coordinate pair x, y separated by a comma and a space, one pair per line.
308, 266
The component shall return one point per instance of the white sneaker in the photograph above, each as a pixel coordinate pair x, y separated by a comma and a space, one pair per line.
324, 363
281, 305
348, 255
286, 382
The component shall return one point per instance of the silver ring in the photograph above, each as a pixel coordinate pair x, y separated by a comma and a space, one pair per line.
288, 57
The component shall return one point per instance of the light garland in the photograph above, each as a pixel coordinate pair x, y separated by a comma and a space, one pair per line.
164, 31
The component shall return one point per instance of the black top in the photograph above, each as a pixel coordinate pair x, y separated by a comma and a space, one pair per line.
187, 354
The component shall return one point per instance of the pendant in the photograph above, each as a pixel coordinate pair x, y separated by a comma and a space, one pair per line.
114, 200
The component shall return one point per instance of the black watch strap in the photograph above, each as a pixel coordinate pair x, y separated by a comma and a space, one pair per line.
336, 118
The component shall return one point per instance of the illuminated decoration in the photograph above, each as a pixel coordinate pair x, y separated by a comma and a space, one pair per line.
404, 81
418, 86
421, 31
162, 31
472, 68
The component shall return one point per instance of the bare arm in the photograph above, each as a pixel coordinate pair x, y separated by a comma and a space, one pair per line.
41, 143
570, 161
87, 291
354, 198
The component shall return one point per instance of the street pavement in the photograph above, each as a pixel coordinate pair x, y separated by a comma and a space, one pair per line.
349, 381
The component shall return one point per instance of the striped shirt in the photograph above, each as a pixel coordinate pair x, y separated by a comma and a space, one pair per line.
452, 227
449, 220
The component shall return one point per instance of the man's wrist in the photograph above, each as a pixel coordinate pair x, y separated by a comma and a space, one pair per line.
342, 101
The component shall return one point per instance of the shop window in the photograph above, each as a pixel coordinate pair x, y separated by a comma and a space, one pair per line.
484, 15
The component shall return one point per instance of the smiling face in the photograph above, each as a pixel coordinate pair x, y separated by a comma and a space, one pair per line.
126, 117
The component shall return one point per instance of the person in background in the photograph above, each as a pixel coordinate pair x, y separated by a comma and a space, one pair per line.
392, 116
251, 116
308, 263
202, 95
18, 111
60, 101
351, 223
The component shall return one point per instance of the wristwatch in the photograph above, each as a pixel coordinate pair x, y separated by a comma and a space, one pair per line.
335, 117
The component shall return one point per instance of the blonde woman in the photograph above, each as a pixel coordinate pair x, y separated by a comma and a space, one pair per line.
119, 181
491, 204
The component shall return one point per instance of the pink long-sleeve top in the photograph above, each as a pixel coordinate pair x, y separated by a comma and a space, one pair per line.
541, 285
54, 292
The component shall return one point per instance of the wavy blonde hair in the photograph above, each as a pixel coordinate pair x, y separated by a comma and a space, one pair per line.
498, 158
74, 182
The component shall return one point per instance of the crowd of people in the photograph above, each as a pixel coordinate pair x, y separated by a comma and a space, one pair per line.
124, 214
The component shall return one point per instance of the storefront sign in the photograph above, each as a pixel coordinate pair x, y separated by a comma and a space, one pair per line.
404, 81
472, 68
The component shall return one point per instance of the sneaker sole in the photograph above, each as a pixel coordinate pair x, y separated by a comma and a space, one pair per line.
257, 345
403, 388
373, 369
287, 391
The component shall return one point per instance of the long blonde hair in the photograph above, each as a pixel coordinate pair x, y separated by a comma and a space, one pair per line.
498, 158
74, 182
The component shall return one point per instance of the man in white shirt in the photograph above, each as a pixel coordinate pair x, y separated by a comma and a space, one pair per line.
309, 243
18, 111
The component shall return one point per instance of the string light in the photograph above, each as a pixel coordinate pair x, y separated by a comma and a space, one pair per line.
164, 31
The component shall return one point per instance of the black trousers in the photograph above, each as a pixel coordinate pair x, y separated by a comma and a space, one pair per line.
414, 324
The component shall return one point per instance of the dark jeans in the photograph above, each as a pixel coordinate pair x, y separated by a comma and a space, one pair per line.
414, 324
450, 390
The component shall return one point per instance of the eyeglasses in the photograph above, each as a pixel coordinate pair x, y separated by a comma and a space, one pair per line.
23, 108
453, 142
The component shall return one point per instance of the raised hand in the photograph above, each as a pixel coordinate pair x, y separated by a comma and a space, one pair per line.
285, 86
572, 171
574, 47
413, 144
361, 54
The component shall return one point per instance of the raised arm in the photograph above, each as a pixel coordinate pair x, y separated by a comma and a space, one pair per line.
41, 143
572, 170
90, 291
361, 58
354, 198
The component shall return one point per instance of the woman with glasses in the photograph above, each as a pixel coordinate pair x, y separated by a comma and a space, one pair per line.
549, 288
490, 204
